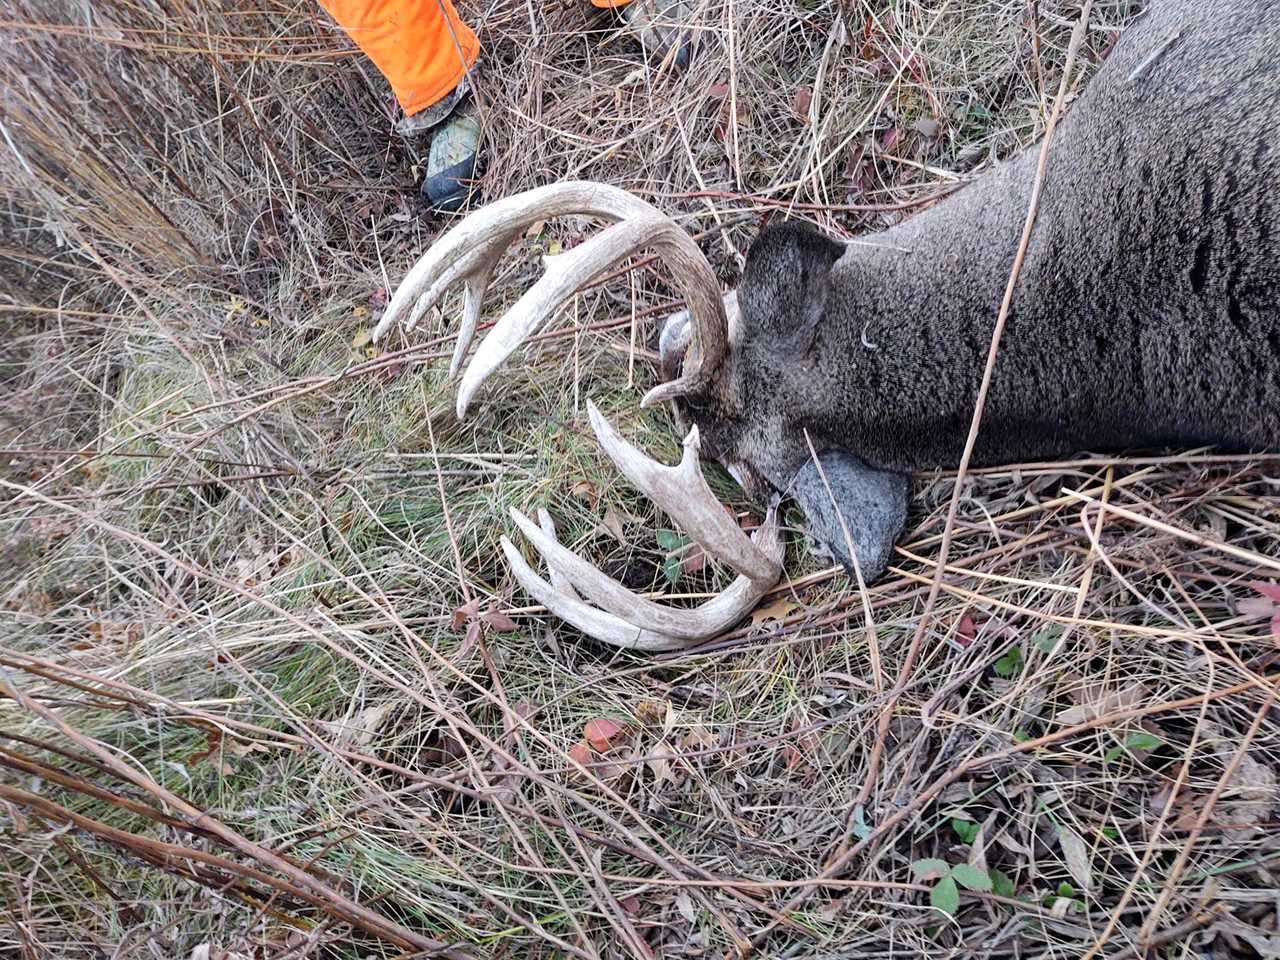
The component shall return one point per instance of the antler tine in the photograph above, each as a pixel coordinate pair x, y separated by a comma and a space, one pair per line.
683, 494
471, 250
558, 579
564, 274
594, 623
713, 617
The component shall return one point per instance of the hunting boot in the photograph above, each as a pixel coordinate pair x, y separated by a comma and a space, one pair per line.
662, 26
451, 156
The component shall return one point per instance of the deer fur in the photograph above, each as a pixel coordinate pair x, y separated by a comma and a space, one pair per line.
1146, 315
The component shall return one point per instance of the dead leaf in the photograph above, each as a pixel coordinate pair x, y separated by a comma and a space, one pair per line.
585, 490
1248, 797
659, 763
684, 903
791, 756
1266, 944
239, 749
966, 633
363, 338
1076, 852
779, 609
603, 733
466, 613
612, 525
1256, 607
212, 740
495, 619
718, 90
698, 738
1094, 703
801, 100
367, 723
652, 711
581, 752
927, 127
1269, 590
695, 561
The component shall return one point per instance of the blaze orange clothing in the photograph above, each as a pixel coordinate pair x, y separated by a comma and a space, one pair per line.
420, 46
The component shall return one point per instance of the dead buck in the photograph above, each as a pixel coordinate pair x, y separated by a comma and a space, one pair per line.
1146, 315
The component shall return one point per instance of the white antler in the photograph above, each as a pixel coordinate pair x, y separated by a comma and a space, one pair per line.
471, 250
624, 619
469, 254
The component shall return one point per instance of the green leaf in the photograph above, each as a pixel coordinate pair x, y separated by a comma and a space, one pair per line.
1010, 663
861, 829
1142, 741
671, 570
1021, 736
1066, 890
669, 539
971, 877
929, 868
1135, 741
1111, 833
1002, 886
966, 830
1046, 639
945, 896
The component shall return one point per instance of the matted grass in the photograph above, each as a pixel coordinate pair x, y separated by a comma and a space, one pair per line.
238, 538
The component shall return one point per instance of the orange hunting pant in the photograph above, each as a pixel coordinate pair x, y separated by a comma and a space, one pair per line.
420, 46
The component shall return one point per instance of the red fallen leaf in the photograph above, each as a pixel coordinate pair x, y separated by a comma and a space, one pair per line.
889, 139
1275, 626
498, 620
581, 752
630, 905
465, 613
718, 90
801, 100
602, 732
1269, 590
694, 562
378, 298
966, 633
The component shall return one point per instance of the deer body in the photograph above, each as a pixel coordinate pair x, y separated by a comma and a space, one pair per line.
1146, 314
1147, 311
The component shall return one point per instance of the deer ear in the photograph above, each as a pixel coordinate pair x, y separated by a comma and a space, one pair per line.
872, 503
783, 293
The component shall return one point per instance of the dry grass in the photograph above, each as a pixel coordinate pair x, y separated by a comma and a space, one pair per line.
241, 711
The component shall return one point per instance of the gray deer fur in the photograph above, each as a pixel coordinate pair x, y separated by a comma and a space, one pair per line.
1147, 314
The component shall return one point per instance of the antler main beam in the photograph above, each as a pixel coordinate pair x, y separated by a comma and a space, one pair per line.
470, 251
